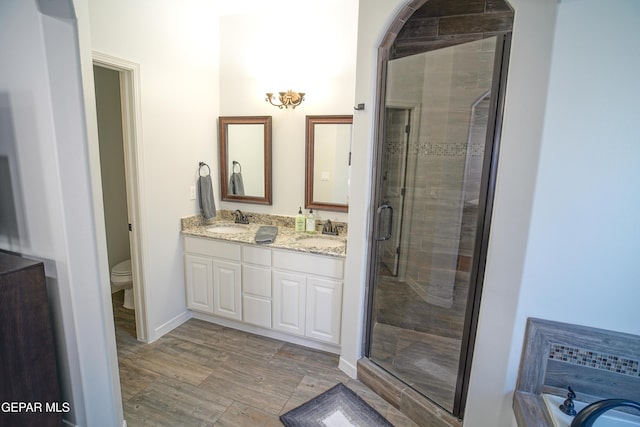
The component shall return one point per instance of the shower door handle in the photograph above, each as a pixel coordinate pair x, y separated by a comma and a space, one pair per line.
390, 229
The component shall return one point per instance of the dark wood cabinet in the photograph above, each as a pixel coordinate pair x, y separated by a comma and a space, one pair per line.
29, 388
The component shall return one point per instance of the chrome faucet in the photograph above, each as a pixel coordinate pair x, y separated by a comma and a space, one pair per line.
240, 218
592, 412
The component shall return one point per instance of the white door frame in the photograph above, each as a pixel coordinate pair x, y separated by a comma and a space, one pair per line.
129, 73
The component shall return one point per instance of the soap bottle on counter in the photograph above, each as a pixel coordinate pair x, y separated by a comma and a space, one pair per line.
311, 222
300, 220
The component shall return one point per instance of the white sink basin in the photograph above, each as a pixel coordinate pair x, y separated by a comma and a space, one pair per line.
320, 242
608, 419
227, 229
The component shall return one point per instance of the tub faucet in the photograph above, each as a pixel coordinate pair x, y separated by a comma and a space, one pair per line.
592, 412
240, 218
568, 406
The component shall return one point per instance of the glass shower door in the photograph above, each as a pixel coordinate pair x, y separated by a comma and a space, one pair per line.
421, 292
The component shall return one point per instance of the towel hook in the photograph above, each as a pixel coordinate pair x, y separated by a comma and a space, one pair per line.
200, 165
234, 167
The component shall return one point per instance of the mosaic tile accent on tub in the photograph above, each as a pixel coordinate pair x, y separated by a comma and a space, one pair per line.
594, 359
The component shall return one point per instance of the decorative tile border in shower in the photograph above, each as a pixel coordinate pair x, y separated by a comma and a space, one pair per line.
449, 149
594, 359
439, 149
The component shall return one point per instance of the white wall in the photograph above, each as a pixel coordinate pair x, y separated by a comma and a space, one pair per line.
581, 262
584, 230
175, 44
373, 19
42, 98
280, 45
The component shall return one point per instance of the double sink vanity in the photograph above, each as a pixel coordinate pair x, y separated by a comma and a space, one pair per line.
290, 289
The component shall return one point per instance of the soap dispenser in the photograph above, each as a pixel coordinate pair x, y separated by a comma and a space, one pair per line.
311, 222
300, 220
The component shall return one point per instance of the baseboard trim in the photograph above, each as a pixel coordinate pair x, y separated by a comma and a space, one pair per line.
170, 325
347, 368
282, 336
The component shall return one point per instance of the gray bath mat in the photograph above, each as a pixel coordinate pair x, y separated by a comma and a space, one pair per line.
336, 407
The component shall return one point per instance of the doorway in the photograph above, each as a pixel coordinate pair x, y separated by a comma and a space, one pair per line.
117, 107
434, 185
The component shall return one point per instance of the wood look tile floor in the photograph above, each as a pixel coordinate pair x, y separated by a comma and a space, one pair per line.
202, 374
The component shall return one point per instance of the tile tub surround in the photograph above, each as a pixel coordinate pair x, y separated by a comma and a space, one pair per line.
596, 363
287, 237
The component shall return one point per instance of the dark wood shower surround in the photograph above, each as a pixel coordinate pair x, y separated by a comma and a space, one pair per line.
27, 353
443, 23
424, 26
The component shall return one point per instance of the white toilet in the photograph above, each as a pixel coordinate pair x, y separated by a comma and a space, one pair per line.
121, 278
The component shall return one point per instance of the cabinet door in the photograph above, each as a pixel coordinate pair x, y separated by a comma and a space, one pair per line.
289, 295
324, 309
199, 273
227, 290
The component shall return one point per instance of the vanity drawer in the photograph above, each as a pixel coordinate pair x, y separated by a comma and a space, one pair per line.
308, 263
256, 281
255, 255
212, 248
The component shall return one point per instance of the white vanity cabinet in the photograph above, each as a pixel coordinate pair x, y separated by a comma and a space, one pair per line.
213, 277
280, 293
307, 295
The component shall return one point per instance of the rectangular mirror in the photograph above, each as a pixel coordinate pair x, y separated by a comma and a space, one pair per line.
245, 159
328, 146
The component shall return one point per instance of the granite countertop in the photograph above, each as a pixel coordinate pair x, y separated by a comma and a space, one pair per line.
287, 238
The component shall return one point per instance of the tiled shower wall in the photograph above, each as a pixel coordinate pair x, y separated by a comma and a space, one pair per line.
444, 166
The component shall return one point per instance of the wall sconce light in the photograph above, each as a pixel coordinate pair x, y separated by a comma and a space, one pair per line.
288, 98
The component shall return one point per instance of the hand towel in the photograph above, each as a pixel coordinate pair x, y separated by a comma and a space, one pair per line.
236, 185
207, 203
266, 234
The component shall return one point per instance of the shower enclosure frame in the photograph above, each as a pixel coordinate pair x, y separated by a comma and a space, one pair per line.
488, 180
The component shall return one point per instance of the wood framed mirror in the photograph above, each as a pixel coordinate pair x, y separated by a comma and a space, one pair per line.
328, 148
245, 159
